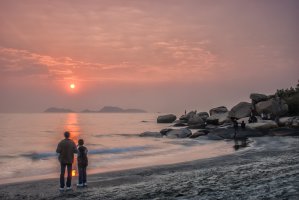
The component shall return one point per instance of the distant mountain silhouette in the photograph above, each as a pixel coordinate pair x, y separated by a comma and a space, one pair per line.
88, 111
58, 110
114, 109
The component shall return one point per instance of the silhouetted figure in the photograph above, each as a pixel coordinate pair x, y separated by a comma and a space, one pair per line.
66, 149
82, 163
236, 126
185, 112
243, 125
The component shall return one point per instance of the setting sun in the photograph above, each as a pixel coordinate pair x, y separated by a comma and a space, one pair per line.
72, 86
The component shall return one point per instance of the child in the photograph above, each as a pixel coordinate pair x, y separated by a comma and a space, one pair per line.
82, 163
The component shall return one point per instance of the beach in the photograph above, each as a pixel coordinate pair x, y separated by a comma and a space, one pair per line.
268, 169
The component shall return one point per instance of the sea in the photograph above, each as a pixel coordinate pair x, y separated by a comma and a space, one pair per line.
29, 141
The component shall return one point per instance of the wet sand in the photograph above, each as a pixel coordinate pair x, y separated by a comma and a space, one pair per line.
267, 170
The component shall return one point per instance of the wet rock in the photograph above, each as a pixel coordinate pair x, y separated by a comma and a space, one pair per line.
262, 125
165, 131
218, 110
179, 125
241, 110
195, 119
255, 97
151, 134
179, 133
228, 133
203, 115
166, 118
199, 133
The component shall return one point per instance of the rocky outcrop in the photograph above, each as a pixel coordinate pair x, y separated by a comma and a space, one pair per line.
277, 107
262, 125
255, 97
203, 115
218, 110
218, 119
241, 110
151, 134
166, 118
195, 119
179, 133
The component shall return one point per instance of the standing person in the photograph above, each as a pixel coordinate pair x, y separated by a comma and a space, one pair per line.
235, 127
243, 125
82, 161
66, 149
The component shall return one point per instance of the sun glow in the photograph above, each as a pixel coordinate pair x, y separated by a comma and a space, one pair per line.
72, 86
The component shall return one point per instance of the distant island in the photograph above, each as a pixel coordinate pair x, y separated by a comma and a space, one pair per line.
113, 109
58, 110
105, 109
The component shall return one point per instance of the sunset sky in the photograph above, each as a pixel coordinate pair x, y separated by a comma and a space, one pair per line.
158, 55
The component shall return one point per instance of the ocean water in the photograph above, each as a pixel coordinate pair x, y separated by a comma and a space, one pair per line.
29, 141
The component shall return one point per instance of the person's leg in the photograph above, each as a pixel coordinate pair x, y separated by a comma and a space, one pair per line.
80, 170
69, 175
62, 171
84, 175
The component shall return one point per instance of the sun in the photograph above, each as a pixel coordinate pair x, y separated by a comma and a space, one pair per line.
72, 86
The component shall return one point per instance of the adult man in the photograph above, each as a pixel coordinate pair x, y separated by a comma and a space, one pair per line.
66, 149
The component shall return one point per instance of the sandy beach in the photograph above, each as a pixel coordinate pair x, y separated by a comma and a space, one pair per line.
269, 169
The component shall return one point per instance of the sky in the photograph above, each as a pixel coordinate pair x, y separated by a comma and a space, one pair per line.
157, 55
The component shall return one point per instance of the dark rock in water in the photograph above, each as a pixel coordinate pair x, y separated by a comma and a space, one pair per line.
180, 121
241, 110
151, 134
218, 110
198, 133
211, 126
179, 133
165, 131
166, 118
277, 107
58, 110
183, 118
284, 132
179, 125
196, 126
255, 97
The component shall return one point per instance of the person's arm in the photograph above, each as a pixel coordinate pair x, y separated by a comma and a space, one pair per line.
58, 149
75, 150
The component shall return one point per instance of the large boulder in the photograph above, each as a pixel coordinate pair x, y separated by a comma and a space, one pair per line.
218, 110
255, 97
241, 110
293, 122
218, 119
203, 115
195, 119
283, 121
179, 133
262, 125
151, 134
166, 118
277, 107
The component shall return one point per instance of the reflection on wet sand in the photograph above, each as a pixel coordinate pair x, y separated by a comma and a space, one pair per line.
241, 143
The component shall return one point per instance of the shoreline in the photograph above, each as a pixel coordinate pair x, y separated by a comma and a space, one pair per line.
257, 172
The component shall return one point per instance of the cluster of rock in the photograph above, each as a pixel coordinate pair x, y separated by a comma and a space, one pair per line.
217, 124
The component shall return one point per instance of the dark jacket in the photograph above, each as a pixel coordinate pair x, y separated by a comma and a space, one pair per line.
66, 149
82, 156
